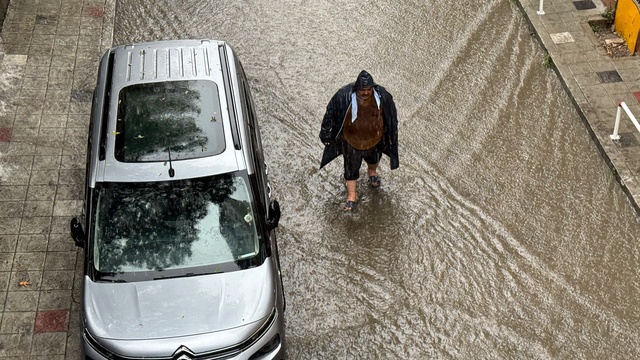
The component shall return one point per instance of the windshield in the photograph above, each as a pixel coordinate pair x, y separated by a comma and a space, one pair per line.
174, 225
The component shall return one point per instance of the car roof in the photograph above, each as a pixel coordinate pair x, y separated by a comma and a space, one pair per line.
167, 61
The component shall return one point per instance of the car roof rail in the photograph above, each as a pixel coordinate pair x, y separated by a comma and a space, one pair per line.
102, 153
226, 74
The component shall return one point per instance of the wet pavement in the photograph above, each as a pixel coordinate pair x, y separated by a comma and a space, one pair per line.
49, 53
596, 82
48, 63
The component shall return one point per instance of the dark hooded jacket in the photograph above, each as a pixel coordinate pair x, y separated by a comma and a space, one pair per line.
334, 117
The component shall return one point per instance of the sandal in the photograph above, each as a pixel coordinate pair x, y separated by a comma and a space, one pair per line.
349, 206
375, 181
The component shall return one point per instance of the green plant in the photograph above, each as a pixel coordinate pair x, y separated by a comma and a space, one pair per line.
548, 61
595, 27
609, 14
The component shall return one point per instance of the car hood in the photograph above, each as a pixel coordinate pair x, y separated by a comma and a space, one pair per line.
178, 307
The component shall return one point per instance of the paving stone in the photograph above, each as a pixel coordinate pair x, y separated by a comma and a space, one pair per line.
49, 343
41, 192
74, 162
5, 278
29, 261
58, 280
17, 322
67, 207
46, 20
60, 225
10, 226
17, 345
29, 121
54, 120
51, 321
6, 120
35, 225
55, 300
22, 301
60, 260
11, 208
562, 38
30, 243
8, 243
12, 176
47, 162
24, 134
44, 177
72, 176
627, 140
5, 134
39, 208
581, 68
70, 192
609, 76
6, 261
584, 5
62, 241
56, 107
14, 60
78, 120
29, 108
81, 95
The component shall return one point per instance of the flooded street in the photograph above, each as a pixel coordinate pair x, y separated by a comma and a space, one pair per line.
503, 234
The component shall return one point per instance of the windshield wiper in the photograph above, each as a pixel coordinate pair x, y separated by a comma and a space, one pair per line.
110, 277
112, 280
186, 275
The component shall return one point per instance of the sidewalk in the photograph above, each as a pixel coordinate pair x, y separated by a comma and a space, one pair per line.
49, 53
595, 82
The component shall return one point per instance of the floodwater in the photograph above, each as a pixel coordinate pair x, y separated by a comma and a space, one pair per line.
503, 234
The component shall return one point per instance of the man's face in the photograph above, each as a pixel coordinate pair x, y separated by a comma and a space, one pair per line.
364, 93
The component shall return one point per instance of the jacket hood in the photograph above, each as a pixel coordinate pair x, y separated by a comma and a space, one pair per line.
364, 80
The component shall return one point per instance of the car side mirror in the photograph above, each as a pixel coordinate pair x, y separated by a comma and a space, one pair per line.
274, 215
77, 234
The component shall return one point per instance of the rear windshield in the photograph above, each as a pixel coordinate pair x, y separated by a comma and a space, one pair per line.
182, 118
185, 225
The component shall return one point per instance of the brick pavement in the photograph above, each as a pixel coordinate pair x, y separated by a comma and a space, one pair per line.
49, 53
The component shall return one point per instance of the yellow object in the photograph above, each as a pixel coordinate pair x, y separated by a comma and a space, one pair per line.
627, 22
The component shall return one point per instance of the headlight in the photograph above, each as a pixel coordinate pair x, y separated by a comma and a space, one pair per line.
97, 347
267, 348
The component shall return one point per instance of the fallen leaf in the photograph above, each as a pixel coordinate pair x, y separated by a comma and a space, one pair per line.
24, 283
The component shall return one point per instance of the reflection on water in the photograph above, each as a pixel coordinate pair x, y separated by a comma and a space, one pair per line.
173, 225
503, 233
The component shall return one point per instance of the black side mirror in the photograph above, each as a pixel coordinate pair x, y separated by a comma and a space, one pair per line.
274, 215
77, 234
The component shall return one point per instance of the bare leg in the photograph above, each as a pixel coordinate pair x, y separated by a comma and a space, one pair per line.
372, 171
351, 190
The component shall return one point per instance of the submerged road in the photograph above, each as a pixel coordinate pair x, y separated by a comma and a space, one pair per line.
503, 233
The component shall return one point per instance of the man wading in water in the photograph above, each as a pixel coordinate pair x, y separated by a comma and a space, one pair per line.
360, 123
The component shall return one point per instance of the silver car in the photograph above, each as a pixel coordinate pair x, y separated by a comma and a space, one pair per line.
178, 226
